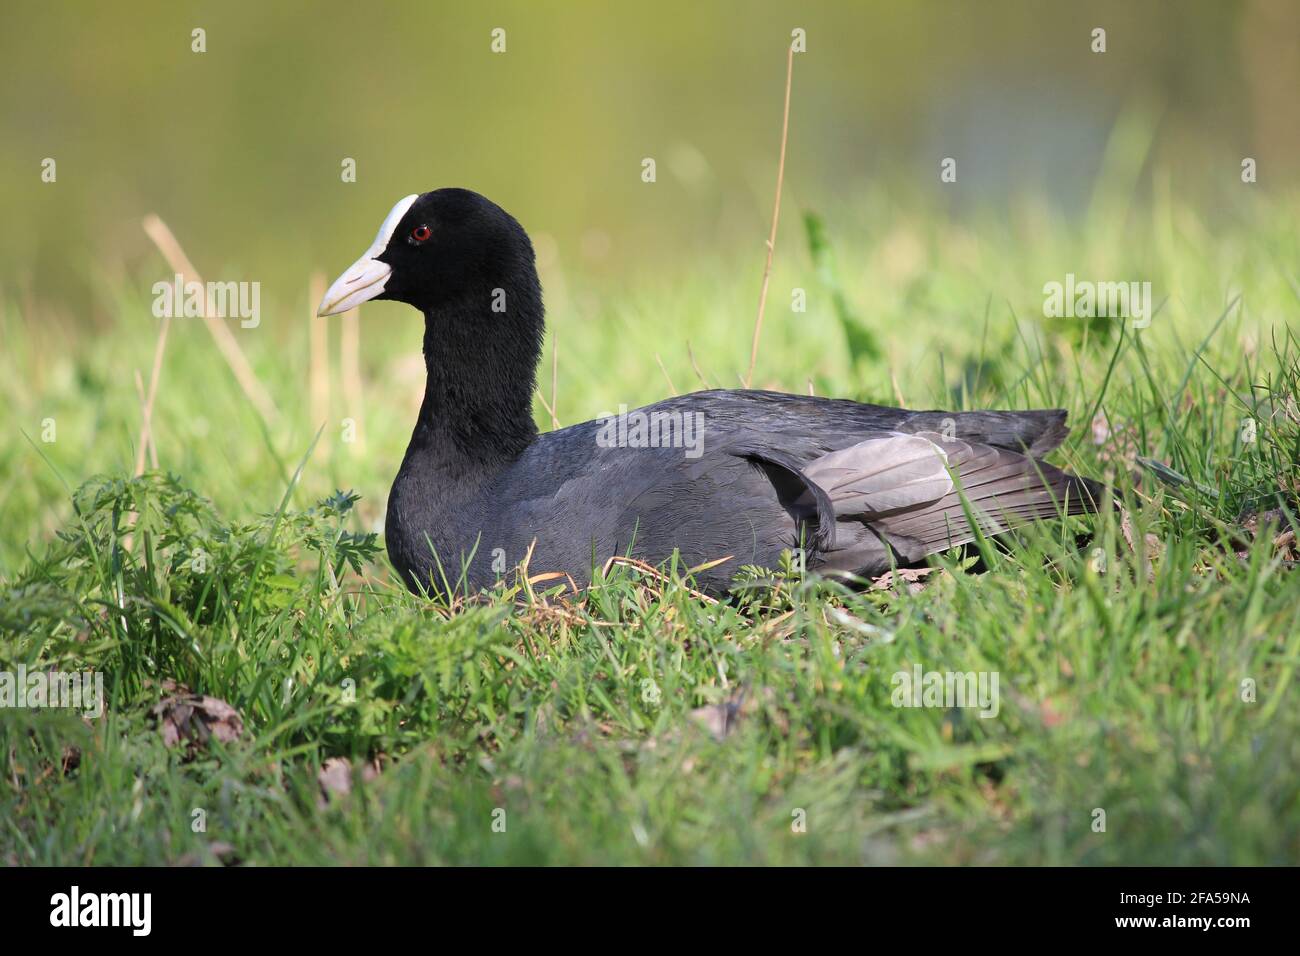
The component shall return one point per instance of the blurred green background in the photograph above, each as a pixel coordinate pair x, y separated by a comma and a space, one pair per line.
239, 148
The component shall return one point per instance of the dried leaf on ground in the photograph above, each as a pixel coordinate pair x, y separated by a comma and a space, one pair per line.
336, 776
914, 577
194, 719
1274, 523
720, 720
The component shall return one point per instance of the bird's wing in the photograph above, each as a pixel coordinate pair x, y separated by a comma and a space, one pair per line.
898, 497
891, 473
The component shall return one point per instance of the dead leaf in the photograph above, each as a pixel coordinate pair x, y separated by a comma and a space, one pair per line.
1152, 546
194, 719
1274, 523
336, 776
914, 577
721, 719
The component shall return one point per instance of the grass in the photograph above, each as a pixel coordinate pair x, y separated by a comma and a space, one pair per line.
644, 724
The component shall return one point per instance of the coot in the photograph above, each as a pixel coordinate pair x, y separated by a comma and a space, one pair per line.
737, 474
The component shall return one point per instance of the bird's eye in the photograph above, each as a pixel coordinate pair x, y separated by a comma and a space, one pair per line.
421, 233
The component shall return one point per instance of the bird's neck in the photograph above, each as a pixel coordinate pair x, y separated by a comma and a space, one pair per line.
481, 365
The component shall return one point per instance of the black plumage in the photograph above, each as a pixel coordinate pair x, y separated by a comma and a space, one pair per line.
859, 487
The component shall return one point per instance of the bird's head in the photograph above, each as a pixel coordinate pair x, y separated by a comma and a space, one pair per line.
440, 250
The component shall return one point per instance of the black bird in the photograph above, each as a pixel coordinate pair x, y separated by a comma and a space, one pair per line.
742, 475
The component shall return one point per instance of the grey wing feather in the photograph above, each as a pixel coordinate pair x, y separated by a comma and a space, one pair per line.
895, 498
884, 474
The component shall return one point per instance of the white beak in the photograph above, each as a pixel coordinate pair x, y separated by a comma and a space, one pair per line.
366, 277
364, 280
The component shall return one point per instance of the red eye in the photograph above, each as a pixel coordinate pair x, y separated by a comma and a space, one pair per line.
421, 233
